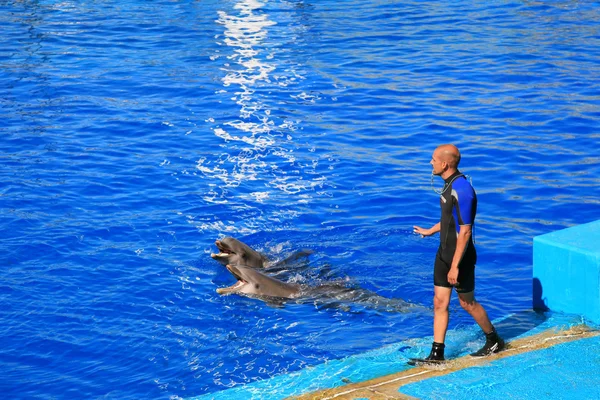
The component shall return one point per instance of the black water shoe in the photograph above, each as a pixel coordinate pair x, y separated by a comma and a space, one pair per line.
493, 344
435, 357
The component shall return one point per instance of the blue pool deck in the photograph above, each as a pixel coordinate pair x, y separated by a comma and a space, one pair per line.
553, 351
550, 355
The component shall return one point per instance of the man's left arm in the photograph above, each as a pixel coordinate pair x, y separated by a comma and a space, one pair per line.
464, 234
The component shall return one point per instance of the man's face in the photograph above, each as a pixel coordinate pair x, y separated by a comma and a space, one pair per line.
438, 165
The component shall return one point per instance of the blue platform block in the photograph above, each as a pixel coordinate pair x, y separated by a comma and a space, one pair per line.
566, 271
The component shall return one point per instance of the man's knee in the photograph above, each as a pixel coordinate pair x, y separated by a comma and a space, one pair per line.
468, 302
440, 303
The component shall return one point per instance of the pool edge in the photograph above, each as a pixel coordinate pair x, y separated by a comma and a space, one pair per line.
389, 386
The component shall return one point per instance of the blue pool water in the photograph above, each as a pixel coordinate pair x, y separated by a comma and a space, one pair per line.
135, 133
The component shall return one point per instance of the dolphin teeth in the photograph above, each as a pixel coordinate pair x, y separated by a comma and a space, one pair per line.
230, 289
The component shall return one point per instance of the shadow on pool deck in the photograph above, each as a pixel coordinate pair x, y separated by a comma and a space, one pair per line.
520, 323
391, 386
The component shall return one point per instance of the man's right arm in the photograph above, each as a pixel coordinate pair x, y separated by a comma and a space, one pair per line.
427, 232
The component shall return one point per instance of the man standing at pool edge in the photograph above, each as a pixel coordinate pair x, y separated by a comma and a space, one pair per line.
456, 257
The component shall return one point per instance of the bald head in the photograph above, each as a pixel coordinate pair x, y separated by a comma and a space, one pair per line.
450, 154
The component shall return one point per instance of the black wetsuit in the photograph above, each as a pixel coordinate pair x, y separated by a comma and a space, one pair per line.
458, 202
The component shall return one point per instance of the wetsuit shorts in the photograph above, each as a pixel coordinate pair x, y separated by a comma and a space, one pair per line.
466, 271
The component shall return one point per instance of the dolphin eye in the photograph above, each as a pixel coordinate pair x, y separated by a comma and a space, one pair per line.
256, 285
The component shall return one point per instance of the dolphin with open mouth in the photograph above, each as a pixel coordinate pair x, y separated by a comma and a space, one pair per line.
235, 252
253, 282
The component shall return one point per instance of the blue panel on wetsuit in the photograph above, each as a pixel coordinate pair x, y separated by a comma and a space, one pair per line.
566, 271
467, 202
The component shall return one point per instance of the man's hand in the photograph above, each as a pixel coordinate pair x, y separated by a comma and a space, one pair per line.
422, 231
427, 232
453, 276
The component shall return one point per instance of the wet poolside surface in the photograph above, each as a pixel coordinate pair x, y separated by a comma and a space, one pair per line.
543, 358
564, 371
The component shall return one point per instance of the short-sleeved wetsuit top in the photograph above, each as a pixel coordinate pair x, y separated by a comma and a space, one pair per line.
458, 202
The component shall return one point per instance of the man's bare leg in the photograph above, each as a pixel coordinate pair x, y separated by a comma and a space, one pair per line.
441, 301
468, 302
493, 342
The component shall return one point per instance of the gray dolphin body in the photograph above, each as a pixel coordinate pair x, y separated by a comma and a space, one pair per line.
255, 283
332, 294
235, 252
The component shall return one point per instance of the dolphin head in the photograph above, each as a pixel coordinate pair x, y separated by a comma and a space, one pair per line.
233, 251
253, 282
240, 283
